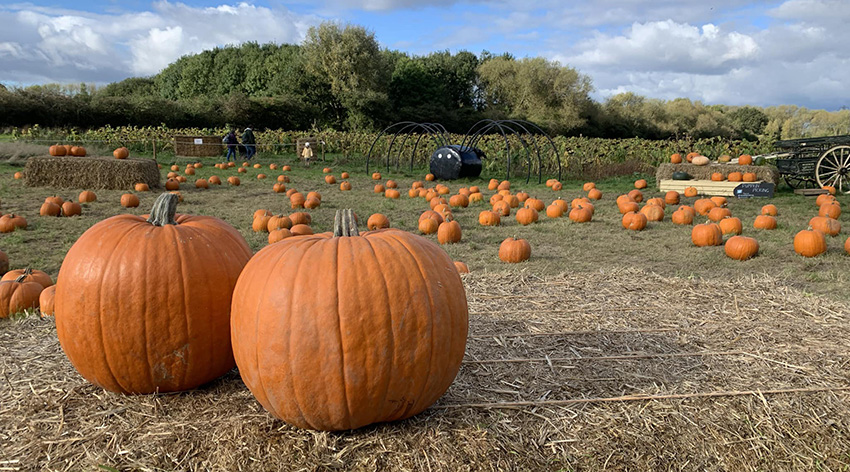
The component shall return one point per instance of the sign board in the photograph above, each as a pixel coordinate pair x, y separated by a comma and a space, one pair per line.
755, 189
199, 140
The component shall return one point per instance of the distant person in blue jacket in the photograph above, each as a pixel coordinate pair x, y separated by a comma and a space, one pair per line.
231, 141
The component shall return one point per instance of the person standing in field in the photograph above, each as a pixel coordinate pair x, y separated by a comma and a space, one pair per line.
231, 141
307, 154
249, 142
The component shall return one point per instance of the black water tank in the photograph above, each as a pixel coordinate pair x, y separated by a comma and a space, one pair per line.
455, 161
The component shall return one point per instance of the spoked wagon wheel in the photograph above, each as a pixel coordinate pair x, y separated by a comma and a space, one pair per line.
833, 168
796, 182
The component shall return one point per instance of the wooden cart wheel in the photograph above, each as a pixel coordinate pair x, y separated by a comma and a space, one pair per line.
833, 168
796, 182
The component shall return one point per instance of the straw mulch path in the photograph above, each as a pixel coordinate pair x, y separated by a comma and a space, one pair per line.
744, 375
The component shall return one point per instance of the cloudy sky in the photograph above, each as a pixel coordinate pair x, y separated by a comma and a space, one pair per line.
733, 52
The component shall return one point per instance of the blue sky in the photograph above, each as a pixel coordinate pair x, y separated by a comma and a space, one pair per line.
734, 52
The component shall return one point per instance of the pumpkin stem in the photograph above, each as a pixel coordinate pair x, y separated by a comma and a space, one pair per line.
164, 209
345, 224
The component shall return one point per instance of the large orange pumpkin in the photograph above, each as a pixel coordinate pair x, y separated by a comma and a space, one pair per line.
514, 250
141, 307
378, 333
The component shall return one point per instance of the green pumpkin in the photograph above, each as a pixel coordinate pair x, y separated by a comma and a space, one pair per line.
679, 175
759, 161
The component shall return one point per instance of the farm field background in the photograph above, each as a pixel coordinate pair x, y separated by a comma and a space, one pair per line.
696, 321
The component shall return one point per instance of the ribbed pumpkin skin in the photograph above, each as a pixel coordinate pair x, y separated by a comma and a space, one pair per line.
377, 335
141, 308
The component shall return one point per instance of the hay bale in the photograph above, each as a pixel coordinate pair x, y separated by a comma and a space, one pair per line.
90, 172
665, 171
198, 146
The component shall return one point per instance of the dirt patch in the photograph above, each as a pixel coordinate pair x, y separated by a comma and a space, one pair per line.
590, 336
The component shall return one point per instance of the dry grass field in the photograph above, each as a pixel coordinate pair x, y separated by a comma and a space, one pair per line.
608, 350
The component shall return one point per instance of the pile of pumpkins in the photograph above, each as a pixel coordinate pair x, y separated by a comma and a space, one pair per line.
24, 289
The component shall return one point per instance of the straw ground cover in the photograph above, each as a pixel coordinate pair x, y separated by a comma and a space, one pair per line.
596, 314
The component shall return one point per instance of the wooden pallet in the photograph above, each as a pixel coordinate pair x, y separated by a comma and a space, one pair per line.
810, 191
704, 187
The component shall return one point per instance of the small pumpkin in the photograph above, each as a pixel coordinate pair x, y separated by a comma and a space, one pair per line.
691, 192
301, 218
128, 200
745, 159
731, 225
377, 221
717, 177
514, 250
640, 184
741, 248
770, 209
29, 275
11, 222
810, 243
344, 175
765, 222
586, 187
46, 301
718, 213
214, 180
233, 180
202, 183
634, 221
49, 209
580, 214
653, 212
594, 194
735, 177
121, 153
449, 232
830, 209
430, 225
700, 161
18, 294
141, 187
636, 195
461, 267
57, 150
676, 158
71, 209
376, 176
526, 216
490, 218
554, 211
682, 217
345, 186
749, 177
707, 234
671, 197
826, 225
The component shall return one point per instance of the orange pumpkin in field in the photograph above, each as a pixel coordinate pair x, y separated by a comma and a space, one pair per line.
676, 158
691, 192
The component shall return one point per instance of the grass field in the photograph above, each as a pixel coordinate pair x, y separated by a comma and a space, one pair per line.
701, 324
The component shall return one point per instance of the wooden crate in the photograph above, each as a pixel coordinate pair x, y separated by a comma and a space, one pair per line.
704, 187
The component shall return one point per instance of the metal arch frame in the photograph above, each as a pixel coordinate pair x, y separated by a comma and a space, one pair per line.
499, 126
437, 132
487, 125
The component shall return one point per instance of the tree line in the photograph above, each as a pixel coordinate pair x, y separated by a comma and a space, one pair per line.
339, 77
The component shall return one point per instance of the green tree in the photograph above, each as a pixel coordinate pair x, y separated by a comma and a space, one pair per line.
551, 95
748, 122
349, 62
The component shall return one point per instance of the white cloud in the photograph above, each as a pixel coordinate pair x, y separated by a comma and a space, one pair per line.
666, 46
41, 45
